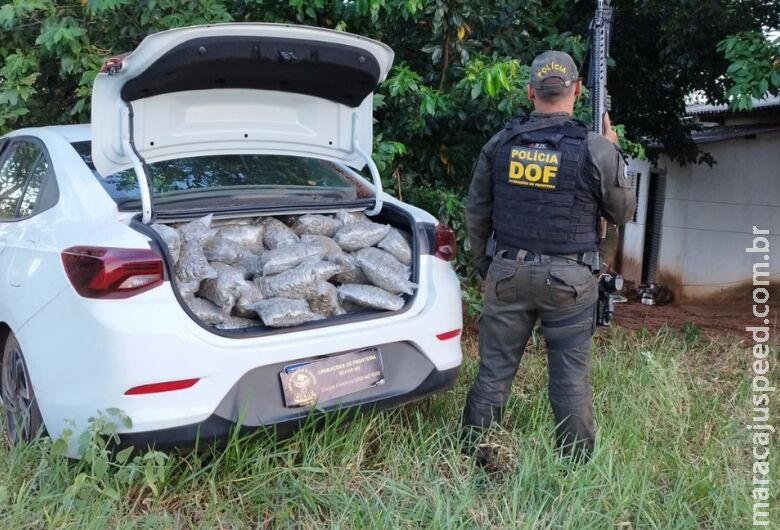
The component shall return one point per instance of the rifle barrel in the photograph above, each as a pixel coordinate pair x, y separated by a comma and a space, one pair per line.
599, 51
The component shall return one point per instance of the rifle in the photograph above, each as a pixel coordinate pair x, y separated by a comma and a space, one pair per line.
600, 36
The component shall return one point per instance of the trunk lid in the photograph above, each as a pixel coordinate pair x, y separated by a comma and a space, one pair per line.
237, 88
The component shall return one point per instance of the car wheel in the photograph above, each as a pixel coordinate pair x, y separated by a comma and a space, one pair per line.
22, 415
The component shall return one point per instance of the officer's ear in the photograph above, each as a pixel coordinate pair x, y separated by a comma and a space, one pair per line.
578, 88
529, 90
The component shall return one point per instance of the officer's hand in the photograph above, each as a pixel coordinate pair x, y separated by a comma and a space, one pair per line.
608, 132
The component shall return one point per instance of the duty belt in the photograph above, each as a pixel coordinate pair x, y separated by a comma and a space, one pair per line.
590, 259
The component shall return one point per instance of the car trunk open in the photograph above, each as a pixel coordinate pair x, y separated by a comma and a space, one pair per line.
241, 90
420, 239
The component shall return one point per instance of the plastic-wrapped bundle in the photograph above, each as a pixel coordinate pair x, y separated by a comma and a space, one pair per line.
276, 234
323, 299
398, 246
295, 283
206, 311
350, 307
249, 263
225, 289
283, 312
171, 239
248, 236
222, 250
384, 271
370, 296
322, 270
355, 236
320, 225
188, 289
330, 249
198, 231
239, 323
245, 304
285, 258
192, 265
347, 218
350, 270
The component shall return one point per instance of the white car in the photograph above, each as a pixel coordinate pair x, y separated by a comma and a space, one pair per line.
235, 120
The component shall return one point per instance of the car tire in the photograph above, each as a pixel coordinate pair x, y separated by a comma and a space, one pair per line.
23, 419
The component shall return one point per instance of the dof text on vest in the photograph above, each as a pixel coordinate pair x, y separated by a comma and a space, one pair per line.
541, 200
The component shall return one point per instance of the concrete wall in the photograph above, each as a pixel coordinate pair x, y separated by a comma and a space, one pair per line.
634, 232
709, 214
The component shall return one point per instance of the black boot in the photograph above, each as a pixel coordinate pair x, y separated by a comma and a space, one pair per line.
474, 425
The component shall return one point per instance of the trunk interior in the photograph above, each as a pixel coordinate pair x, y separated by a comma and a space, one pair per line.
418, 235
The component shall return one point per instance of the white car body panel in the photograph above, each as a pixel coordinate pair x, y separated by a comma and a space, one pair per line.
173, 347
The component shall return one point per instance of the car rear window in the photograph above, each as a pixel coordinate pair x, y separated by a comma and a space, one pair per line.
230, 178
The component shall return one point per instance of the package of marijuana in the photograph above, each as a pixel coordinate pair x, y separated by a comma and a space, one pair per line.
350, 270
322, 270
222, 250
283, 312
276, 234
320, 225
206, 311
384, 271
245, 303
225, 289
239, 323
193, 265
397, 245
347, 218
251, 264
355, 236
330, 249
370, 296
285, 258
188, 289
171, 239
323, 299
294, 283
198, 231
248, 236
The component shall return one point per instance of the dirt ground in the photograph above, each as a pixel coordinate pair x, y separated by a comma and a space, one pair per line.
713, 319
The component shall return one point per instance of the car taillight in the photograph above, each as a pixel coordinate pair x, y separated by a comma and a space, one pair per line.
112, 65
99, 272
445, 242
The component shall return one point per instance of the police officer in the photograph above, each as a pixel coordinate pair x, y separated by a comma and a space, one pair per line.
538, 190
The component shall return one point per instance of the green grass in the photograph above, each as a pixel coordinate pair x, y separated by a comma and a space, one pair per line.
672, 452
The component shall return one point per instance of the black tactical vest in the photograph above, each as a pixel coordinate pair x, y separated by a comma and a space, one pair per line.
541, 200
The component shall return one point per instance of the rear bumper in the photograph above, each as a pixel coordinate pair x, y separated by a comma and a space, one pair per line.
83, 355
217, 427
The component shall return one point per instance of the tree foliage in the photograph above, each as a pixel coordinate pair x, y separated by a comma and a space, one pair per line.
665, 51
755, 67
